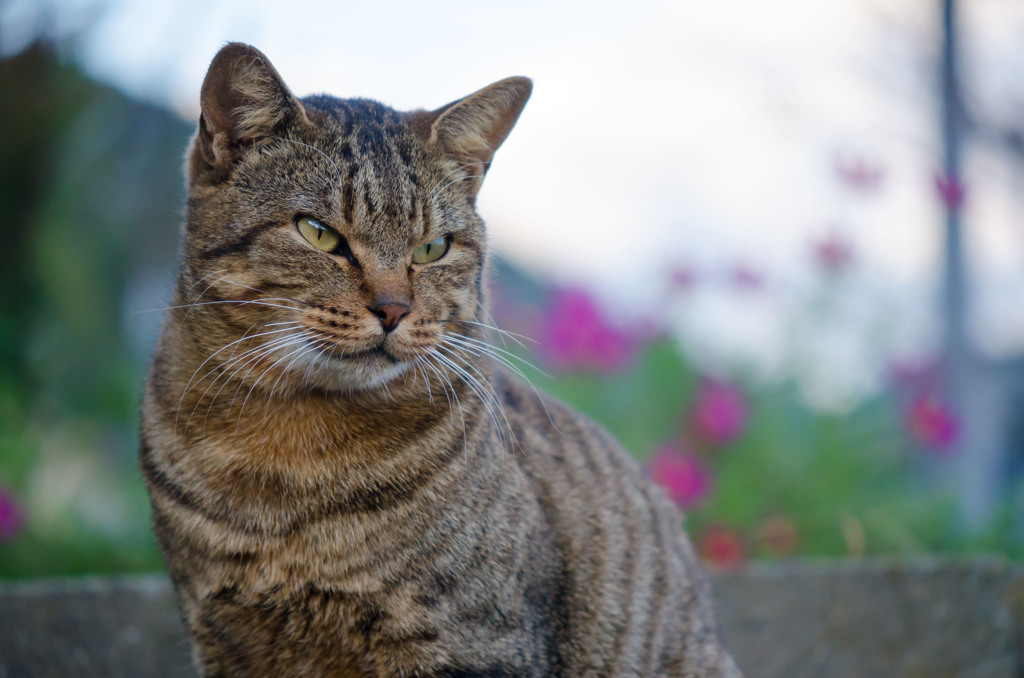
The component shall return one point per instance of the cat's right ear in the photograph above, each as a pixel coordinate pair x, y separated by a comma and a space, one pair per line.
243, 101
470, 130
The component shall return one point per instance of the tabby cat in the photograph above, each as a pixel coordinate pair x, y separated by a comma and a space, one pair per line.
344, 479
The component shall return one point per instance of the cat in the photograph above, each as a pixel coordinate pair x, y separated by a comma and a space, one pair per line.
344, 479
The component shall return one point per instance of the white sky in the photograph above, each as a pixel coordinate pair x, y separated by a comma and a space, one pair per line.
693, 132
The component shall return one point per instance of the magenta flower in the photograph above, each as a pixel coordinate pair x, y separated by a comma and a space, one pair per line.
951, 191
578, 336
12, 520
834, 254
719, 413
681, 474
931, 422
859, 174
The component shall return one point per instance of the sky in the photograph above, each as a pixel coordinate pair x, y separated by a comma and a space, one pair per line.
693, 135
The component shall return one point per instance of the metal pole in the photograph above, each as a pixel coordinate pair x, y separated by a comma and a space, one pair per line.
954, 286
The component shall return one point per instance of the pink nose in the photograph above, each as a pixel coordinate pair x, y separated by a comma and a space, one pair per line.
390, 314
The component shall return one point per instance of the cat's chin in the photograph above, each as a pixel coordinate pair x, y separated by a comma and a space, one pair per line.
362, 371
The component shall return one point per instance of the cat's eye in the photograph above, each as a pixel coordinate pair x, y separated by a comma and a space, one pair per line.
318, 235
432, 251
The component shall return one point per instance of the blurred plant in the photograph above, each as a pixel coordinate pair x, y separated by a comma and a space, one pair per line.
932, 423
951, 191
722, 547
681, 473
833, 254
577, 335
719, 413
859, 174
778, 536
12, 520
682, 278
746, 278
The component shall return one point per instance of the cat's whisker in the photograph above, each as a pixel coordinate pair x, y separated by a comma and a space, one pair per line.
250, 337
206, 289
455, 181
514, 336
478, 353
438, 187
232, 358
483, 346
490, 316
201, 279
241, 382
424, 361
485, 381
310, 347
501, 355
481, 387
444, 380
426, 381
229, 369
235, 343
298, 339
320, 343
253, 355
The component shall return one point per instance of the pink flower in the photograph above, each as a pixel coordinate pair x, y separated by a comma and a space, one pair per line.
859, 174
722, 547
834, 254
917, 374
951, 191
12, 521
682, 278
681, 474
930, 421
578, 336
719, 413
746, 278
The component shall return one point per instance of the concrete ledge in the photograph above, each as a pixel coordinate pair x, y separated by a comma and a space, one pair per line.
875, 618
794, 619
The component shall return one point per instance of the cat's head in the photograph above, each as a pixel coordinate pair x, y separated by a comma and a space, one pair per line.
329, 241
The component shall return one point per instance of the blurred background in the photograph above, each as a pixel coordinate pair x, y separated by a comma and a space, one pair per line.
776, 248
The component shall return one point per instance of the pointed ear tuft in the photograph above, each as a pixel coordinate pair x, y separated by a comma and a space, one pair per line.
471, 130
243, 101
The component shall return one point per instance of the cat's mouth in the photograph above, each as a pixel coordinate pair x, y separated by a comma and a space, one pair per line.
378, 351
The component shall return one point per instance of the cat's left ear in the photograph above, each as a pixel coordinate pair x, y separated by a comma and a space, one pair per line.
470, 130
243, 101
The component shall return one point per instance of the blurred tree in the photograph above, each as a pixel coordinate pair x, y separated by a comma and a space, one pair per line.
90, 195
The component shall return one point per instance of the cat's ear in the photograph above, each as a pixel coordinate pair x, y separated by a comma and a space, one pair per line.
243, 101
470, 130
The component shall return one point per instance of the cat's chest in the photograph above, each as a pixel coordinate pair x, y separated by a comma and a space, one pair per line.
283, 608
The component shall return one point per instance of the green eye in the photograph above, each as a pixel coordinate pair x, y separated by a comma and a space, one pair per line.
432, 251
318, 235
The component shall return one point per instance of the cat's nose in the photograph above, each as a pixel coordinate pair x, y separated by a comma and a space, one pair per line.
390, 314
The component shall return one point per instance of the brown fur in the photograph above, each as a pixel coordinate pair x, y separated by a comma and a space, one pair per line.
337, 500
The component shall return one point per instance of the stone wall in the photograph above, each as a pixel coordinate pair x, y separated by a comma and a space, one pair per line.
786, 620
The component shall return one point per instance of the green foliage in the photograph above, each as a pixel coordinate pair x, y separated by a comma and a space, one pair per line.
849, 484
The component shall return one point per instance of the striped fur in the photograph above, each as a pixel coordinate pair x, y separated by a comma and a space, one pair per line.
336, 500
